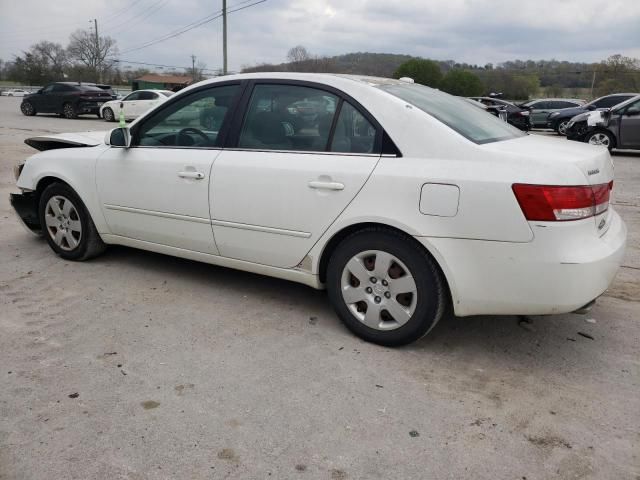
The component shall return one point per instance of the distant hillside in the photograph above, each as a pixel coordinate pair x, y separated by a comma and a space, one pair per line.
361, 63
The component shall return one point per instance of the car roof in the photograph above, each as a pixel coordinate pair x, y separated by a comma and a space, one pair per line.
627, 101
577, 100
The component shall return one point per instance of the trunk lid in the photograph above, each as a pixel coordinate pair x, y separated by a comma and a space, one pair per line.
593, 162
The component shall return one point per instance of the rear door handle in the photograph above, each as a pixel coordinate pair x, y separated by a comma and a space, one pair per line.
194, 175
317, 184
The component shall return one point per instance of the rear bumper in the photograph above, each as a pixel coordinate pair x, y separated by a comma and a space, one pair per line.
26, 208
555, 273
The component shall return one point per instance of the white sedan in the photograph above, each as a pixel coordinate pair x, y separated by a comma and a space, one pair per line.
15, 92
400, 200
134, 104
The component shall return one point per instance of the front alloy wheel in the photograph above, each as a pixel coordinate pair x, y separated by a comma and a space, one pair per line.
562, 127
67, 225
63, 222
108, 115
27, 109
600, 138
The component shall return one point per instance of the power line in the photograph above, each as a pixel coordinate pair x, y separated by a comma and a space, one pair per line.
160, 65
146, 13
191, 26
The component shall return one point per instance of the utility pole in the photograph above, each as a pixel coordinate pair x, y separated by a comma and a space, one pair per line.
593, 81
224, 37
193, 69
97, 54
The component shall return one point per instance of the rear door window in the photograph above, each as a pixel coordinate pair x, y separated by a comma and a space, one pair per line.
288, 117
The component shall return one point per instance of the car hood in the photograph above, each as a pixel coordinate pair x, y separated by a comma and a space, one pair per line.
66, 140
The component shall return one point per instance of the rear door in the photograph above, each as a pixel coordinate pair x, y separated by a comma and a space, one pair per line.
286, 175
540, 112
630, 126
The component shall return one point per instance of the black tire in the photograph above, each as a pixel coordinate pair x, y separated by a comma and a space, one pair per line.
108, 115
90, 244
611, 139
69, 111
559, 127
27, 108
430, 286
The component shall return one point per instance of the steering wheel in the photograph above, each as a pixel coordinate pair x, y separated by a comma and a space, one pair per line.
184, 131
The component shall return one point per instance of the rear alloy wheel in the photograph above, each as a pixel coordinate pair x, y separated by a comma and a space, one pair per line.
66, 224
69, 111
603, 139
27, 109
108, 115
562, 127
385, 287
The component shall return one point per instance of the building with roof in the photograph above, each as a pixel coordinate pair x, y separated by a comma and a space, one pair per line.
161, 82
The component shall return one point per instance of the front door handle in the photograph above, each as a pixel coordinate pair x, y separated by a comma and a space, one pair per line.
193, 175
320, 185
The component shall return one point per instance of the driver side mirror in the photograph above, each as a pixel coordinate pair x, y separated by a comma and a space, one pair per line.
118, 137
591, 107
39, 91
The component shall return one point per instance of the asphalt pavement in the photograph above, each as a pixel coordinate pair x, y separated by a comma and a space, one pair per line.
141, 366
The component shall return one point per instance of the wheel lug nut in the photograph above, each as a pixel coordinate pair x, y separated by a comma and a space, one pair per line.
374, 279
387, 294
368, 290
385, 283
378, 299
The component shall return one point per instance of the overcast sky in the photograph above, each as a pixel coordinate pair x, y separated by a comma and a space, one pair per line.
473, 31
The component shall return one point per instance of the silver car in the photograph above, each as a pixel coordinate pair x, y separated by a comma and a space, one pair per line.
541, 108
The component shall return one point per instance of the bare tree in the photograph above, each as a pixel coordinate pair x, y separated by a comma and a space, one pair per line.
298, 54
96, 53
197, 72
53, 55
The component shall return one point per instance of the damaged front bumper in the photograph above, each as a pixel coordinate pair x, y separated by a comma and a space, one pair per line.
26, 208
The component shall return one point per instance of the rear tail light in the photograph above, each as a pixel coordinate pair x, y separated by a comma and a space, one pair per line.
550, 203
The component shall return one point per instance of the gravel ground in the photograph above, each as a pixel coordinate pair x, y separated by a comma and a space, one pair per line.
141, 366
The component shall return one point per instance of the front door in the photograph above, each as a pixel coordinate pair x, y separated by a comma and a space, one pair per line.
158, 189
630, 126
288, 177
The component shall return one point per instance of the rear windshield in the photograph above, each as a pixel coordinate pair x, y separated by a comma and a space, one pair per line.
89, 88
472, 123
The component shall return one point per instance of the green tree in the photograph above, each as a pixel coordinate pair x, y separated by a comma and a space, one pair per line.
425, 72
462, 83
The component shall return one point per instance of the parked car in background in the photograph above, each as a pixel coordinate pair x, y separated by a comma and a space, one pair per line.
516, 116
108, 89
558, 120
401, 213
499, 112
618, 127
541, 109
68, 99
134, 104
15, 92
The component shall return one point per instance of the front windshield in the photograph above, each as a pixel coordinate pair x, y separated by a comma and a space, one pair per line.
472, 123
